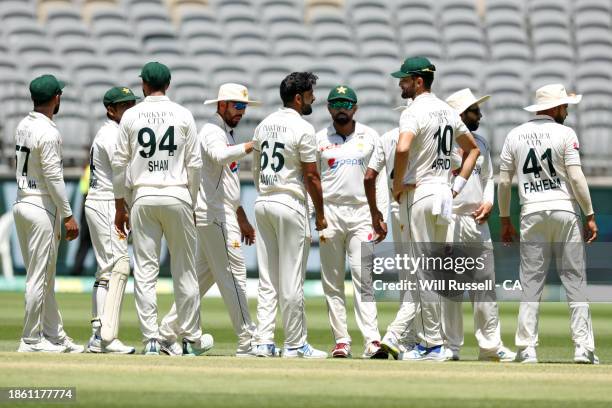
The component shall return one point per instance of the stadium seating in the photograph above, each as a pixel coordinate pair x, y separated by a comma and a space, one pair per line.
507, 48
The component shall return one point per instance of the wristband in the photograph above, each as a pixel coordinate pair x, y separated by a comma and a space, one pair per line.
459, 184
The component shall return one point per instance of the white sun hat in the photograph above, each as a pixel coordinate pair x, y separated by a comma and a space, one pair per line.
550, 96
463, 99
233, 92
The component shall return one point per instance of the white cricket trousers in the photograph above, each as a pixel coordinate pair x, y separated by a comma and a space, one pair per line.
422, 309
107, 245
399, 233
151, 218
542, 234
219, 260
348, 226
465, 230
38, 229
283, 242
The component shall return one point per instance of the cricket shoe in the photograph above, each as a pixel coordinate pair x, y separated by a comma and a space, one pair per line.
43, 346
205, 343
151, 348
171, 348
502, 354
451, 354
374, 351
71, 346
94, 345
117, 347
421, 353
247, 352
391, 345
341, 350
584, 356
306, 351
527, 355
268, 350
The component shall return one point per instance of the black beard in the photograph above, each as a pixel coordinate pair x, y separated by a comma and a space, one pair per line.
342, 119
406, 95
560, 120
56, 109
306, 110
472, 127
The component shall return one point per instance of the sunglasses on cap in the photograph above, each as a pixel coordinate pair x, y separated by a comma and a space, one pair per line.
240, 105
348, 105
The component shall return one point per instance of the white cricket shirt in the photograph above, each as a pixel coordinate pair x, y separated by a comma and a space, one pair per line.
282, 141
39, 173
220, 184
480, 185
158, 140
384, 158
100, 157
436, 126
343, 161
539, 152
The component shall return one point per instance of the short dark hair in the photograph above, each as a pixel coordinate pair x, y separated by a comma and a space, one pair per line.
428, 78
296, 83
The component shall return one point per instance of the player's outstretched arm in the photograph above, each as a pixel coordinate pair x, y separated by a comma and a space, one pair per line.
580, 188
216, 147
312, 181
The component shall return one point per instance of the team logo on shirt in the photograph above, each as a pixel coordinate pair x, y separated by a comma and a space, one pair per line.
335, 164
234, 167
576, 146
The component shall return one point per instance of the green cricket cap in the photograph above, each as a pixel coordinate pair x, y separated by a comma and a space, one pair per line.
156, 74
342, 92
414, 66
119, 94
45, 87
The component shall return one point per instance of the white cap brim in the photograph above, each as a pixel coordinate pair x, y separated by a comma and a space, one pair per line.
570, 100
211, 101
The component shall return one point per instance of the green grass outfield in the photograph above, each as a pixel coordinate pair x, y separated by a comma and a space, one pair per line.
220, 380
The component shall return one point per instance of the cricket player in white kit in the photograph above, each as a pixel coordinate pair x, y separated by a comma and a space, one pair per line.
41, 206
471, 210
343, 150
284, 170
552, 190
383, 160
110, 248
428, 130
220, 219
158, 141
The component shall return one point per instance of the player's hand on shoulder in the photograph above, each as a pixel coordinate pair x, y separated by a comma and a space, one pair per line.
72, 228
590, 229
